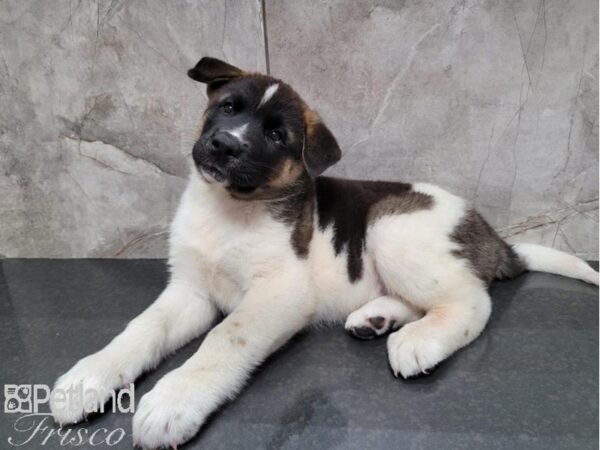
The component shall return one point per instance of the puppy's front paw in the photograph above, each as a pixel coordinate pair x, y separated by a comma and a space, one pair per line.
84, 388
171, 413
412, 353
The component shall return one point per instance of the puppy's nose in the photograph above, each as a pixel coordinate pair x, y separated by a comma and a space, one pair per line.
225, 144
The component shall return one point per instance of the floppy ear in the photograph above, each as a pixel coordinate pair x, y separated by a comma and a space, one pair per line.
214, 73
321, 149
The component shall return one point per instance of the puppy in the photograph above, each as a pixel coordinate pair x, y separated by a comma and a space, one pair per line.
260, 236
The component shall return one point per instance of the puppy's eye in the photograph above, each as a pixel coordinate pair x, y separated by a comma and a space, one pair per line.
227, 108
275, 136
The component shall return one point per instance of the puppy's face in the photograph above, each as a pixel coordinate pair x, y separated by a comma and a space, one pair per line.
258, 137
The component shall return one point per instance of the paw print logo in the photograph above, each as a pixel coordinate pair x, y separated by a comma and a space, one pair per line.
17, 398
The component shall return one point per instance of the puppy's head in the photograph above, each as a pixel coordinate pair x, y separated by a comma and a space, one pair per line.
258, 137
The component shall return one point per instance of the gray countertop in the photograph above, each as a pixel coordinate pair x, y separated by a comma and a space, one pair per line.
530, 381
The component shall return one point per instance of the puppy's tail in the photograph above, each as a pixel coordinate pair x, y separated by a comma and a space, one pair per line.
545, 259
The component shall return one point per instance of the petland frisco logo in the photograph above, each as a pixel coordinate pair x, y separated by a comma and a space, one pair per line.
37, 427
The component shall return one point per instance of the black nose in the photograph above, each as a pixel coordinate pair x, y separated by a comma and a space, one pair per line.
225, 144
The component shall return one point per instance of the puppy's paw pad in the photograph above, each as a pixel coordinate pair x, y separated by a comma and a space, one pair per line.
362, 326
377, 322
362, 332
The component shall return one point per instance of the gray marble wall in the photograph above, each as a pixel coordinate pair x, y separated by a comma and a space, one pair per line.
495, 100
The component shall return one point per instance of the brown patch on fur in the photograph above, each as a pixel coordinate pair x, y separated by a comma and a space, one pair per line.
320, 149
406, 202
288, 172
490, 257
282, 182
438, 314
303, 231
310, 316
311, 119
241, 342
296, 209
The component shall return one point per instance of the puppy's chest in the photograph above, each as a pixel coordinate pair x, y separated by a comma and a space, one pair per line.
229, 249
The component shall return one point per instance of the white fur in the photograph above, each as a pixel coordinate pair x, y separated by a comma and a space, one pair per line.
335, 295
181, 313
269, 92
413, 257
233, 256
239, 132
544, 259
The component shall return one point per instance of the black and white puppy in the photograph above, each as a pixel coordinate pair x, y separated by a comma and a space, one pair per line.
261, 237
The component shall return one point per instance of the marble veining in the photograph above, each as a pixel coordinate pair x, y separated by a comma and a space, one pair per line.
496, 101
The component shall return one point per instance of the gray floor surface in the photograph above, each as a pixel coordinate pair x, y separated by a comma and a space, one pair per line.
530, 381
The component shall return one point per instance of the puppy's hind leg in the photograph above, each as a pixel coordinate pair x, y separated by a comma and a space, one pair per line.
380, 316
445, 328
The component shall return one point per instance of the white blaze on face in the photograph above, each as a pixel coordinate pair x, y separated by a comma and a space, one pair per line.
239, 132
269, 92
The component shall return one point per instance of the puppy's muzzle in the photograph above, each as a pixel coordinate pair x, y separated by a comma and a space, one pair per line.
219, 150
225, 146
218, 154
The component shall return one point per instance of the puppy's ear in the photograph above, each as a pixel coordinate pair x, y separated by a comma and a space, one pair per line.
321, 149
214, 73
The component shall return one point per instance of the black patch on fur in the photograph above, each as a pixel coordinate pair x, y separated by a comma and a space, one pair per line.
347, 204
321, 148
296, 208
490, 257
213, 72
261, 155
285, 146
